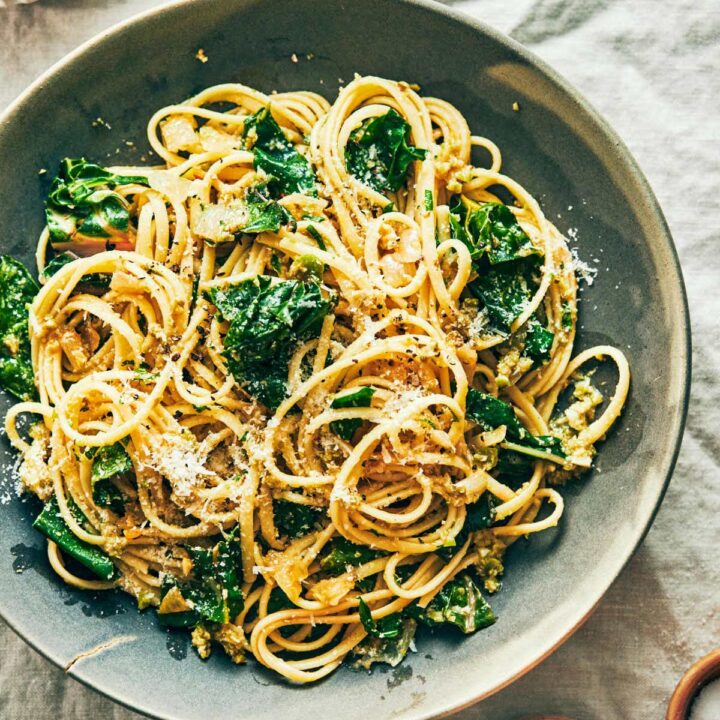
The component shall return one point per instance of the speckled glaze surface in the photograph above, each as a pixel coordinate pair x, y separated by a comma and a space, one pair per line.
555, 145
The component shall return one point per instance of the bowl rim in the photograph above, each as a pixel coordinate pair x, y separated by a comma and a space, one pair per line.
682, 315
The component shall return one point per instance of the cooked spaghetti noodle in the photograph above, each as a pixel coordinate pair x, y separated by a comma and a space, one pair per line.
322, 514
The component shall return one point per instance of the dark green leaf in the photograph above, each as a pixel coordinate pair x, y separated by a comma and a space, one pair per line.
490, 412
459, 603
215, 588
362, 397
101, 281
480, 514
567, 317
107, 495
344, 554
110, 462
267, 319
289, 171
264, 214
313, 232
52, 525
294, 520
17, 291
82, 202
538, 341
375, 650
505, 290
514, 467
279, 601
489, 228
307, 267
385, 628
378, 153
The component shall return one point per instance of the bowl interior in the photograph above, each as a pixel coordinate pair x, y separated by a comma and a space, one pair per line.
554, 145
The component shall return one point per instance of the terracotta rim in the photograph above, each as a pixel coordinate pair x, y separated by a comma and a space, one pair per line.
700, 674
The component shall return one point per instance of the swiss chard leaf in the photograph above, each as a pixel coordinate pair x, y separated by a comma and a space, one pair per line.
108, 463
489, 228
386, 628
490, 412
264, 214
459, 603
378, 153
223, 221
538, 341
391, 651
362, 397
293, 519
481, 513
82, 202
214, 593
344, 554
267, 319
56, 263
52, 525
289, 171
505, 290
100, 281
17, 291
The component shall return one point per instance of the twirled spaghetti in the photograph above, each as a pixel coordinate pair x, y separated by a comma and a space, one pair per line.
381, 446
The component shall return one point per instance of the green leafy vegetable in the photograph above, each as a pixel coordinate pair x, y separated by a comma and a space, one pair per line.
307, 267
109, 462
214, 593
313, 232
267, 319
17, 291
223, 221
480, 514
489, 228
459, 603
362, 397
503, 256
566, 320
385, 628
505, 290
378, 153
538, 341
391, 651
490, 412
344, 554
264, 213
82, 204
52, 525
279, 601
289, 171
56, 263
293, 519
100, 281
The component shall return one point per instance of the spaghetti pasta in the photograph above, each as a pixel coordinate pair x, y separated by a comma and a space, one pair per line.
309, 387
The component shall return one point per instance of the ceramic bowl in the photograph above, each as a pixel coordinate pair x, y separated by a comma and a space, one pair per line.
556, 145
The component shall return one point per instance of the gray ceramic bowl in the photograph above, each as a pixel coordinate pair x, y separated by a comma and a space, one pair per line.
557, 146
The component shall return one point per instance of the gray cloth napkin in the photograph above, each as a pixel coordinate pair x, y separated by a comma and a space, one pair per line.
652, 67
